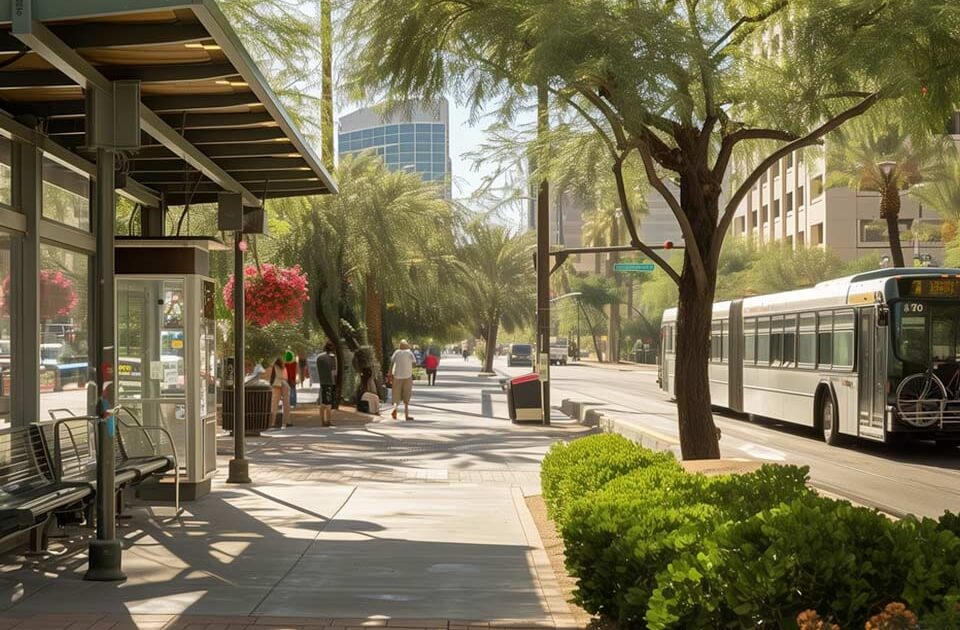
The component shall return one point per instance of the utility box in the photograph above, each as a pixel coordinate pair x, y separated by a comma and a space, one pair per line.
524, 402
166, 349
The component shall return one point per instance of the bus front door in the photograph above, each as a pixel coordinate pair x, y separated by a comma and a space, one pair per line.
871, 375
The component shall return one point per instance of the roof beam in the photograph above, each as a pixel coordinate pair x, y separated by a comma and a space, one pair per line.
179, 199
66, 60
269, 185
169, 177
108, 35
147, 74
232, 164
65, 126
200, 102
240, 149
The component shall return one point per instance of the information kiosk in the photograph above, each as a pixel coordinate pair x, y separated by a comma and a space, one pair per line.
166, 350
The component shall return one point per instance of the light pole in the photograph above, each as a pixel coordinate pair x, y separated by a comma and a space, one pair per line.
577, 295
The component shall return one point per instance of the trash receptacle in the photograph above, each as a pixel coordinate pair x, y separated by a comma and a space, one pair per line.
256, 403
523, 398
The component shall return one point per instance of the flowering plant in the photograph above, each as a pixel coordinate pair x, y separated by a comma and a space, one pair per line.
272, 294
58, 298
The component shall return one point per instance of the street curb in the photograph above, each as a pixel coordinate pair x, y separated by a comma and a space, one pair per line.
584, 413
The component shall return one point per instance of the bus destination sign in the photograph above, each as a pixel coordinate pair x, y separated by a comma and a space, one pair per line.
930, 287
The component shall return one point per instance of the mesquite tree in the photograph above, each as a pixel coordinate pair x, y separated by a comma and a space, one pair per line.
688, 85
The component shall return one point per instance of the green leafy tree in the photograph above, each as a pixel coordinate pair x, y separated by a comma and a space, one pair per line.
497, 282
876, 153
597, 293
683, 84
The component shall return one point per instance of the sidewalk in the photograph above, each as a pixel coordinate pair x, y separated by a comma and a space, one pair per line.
418, 524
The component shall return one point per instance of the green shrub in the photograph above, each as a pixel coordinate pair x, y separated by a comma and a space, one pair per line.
950, 522
571, 471
619, 538
844, 562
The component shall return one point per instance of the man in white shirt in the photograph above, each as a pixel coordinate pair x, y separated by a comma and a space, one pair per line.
401, 370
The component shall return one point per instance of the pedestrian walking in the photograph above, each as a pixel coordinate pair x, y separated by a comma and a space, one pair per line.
369, 394
401, 370
279, 392
290, 369
302, 361
465, 350
327, 378
430, 364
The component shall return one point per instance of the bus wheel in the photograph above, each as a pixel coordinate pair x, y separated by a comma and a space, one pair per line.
829, 423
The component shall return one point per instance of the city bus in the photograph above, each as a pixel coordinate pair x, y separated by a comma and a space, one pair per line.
875, 356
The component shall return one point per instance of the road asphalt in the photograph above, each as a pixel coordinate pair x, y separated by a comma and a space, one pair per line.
900, 479
415, 524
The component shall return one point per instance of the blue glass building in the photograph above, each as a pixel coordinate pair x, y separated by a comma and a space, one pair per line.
416, 140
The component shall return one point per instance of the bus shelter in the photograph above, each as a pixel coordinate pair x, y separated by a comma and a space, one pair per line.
154, 100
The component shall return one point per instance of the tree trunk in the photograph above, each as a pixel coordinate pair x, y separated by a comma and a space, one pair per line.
593, 334
630, 298
698, 433
890, 210
613, 334
491, 339
326, 90
373, 318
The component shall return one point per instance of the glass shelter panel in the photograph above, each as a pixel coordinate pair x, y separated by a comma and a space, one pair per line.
64, 330
66, 195
7, 308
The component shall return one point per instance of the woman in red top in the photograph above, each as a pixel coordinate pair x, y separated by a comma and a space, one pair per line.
430, 364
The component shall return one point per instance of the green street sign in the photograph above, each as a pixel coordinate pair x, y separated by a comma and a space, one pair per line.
642, 267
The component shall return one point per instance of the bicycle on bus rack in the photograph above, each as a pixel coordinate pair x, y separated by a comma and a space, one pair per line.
924, 400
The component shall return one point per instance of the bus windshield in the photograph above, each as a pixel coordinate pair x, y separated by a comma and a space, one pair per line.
927, 331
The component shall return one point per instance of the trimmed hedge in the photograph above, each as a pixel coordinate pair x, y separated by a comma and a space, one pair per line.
654, 546
814, 553
619, 538
572, 471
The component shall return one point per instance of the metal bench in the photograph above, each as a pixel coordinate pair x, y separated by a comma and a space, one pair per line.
30, 494
137, 455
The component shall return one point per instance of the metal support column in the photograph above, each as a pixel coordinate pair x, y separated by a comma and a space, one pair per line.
26, 344
543, 263
239, 467
106, 550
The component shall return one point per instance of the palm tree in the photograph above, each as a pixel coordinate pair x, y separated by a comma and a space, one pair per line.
877, 153
943, 193
498, 282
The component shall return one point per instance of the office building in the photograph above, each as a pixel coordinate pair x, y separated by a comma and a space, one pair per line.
414, 138
790, 203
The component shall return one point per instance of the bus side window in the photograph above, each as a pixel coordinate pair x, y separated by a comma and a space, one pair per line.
807, 341
715, 342
763, 341
725, 341
825, 340
789, 341
750, 341
843, 336
776, 341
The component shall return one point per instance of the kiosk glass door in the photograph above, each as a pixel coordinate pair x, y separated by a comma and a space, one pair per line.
151, 347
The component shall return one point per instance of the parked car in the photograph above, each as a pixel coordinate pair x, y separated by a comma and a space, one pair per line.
559, 351
520, 354
66, 368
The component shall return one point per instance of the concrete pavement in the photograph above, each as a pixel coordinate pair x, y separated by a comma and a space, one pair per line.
406, 524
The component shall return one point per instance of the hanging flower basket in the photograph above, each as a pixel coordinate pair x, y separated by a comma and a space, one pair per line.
274, 294
58, 298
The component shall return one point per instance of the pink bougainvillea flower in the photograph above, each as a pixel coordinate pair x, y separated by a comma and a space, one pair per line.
275, 294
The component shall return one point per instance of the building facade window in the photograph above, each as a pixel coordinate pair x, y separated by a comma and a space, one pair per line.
789, 203
776, 208
800, 198
816, 187
740, 226
789, 160
66, 195
816, 234
64, 329
6, 172
764, 214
